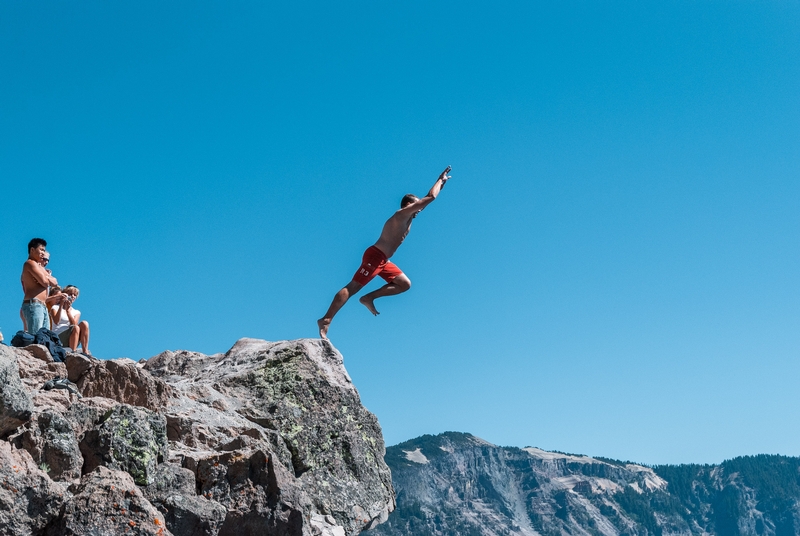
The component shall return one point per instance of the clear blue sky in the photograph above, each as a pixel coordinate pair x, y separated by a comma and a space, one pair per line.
612, 269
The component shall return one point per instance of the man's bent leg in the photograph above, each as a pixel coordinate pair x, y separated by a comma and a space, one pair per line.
338, 302
399, 284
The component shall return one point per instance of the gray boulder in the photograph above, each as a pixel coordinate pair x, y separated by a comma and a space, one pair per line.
187, 514
128, 439
86, 414
29, 500
118, 379
40, 352
51, 441
107, 502
266, 439
305, 445
16, 405
261, 496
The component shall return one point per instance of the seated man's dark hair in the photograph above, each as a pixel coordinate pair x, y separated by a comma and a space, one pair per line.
36, 242
407, 200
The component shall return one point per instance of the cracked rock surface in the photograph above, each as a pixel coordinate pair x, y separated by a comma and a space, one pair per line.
269, 438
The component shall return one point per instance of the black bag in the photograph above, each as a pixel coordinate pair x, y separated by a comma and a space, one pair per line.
21, 339
50, 340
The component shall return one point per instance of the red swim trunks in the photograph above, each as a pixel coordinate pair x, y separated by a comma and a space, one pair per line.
375, 263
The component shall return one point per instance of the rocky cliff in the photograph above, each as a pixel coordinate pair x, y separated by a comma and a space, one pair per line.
268, 439
457, 484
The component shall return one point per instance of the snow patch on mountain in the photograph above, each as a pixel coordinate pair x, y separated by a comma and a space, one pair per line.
415, 456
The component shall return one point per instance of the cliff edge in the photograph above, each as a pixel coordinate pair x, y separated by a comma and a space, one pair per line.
269, 438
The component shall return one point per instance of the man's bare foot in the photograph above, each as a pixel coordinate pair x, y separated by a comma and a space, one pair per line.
323, 324
367, 302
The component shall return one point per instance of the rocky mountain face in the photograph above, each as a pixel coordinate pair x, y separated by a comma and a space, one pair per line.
457, 484
268, 439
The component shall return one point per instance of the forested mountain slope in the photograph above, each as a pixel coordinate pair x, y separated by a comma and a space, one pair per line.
457, 484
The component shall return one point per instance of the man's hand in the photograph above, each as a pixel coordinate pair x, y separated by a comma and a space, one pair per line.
444, 176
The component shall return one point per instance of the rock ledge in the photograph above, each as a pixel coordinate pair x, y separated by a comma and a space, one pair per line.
269, 438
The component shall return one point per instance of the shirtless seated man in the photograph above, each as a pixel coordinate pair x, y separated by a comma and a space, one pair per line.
376, 258
35, 280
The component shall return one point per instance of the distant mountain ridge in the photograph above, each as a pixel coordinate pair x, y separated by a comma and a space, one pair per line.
457, 484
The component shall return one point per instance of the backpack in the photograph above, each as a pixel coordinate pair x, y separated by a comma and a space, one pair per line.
50, 340
21, 339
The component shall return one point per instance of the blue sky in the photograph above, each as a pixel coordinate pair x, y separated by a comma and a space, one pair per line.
611, 271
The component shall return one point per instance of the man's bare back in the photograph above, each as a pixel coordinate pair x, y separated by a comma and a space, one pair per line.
393, 233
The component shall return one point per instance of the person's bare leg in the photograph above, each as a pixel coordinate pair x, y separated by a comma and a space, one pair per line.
85, 337
338, 302
74, 337
399, 284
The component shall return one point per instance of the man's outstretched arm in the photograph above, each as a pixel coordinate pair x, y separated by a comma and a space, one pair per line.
439, 184
419, 204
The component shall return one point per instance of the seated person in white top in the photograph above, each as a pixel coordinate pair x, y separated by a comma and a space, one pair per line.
67, 321
62, 318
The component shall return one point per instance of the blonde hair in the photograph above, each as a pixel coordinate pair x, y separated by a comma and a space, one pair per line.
70, 287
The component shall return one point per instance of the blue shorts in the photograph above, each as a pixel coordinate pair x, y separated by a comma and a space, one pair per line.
36, 317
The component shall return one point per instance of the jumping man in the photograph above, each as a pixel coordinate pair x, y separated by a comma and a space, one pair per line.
376, 258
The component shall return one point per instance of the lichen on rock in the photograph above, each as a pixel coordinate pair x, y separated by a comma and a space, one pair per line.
267, 439
292, 392
129, 439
